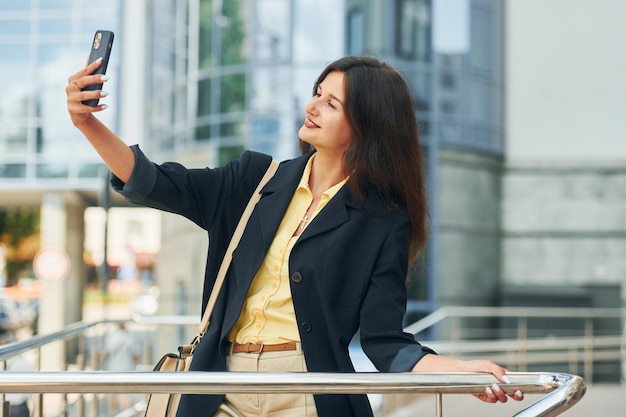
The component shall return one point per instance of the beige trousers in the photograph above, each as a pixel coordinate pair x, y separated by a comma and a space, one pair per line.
267, 405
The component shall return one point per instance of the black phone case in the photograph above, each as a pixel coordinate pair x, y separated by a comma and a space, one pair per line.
100, 48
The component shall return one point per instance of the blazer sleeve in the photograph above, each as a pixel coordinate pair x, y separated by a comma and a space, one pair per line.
383, 340
198, 194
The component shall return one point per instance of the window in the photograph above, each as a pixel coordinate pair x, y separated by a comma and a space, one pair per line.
355, 32
413, 29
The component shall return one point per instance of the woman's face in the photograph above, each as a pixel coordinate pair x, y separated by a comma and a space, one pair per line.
325, 125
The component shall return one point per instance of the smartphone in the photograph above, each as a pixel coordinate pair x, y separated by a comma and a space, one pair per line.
100, 48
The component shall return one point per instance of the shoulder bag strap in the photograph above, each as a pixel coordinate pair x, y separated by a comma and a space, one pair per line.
228, 256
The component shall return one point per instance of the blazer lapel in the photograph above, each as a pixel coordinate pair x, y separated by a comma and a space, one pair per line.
269, 212
332, 215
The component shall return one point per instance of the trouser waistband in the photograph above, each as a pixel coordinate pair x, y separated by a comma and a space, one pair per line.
261, 347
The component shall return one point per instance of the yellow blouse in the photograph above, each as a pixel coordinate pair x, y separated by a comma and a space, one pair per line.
267, 315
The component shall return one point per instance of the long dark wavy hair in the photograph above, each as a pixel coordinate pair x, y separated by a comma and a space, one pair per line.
384, 154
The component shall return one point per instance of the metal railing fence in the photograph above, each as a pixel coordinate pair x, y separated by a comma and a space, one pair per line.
563, 390
582, 347
515, 353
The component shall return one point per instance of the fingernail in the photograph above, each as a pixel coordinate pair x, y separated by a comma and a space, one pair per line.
506, 379
489, 391
496, 387
105, 106
103, 93
98, 60
104, 78
519, 394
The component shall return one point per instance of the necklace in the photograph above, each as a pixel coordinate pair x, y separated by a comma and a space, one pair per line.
303, 223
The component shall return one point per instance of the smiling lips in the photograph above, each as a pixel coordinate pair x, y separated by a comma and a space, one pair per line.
308, 123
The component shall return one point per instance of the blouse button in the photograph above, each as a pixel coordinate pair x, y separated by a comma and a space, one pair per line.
296, 277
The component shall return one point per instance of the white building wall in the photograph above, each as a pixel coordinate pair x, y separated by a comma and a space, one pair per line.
564, 187
566, 83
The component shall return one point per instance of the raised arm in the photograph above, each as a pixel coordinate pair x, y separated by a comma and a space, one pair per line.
113, 151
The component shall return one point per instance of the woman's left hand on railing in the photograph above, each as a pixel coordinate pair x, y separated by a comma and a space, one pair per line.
493, 394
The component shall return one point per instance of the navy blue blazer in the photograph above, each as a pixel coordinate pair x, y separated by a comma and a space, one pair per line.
347, 269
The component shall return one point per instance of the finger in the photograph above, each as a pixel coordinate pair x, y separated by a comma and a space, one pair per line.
499, 393
88, 69
82, 82
517, 395
94, 65
488, 396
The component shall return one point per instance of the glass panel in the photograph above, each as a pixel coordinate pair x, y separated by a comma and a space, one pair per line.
15, 94
267, 92
481, 104
53, 52
55, 4
419, 83
15, 28
413, 29
317, 34
51, 171
233, 93
265, 126
180, 107
205, 36
231, 128
12, 139
482, 39
55, 27
89, 170
232, 32
203, 132
451, 31
12, 5
12, 170
355, 32
228, 153
204, 97
272, 37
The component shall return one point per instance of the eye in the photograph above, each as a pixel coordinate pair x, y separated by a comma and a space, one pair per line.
331, 105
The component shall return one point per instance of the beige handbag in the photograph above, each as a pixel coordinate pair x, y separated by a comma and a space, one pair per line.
166, 405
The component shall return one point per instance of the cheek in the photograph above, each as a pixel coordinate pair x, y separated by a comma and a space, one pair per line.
346, 132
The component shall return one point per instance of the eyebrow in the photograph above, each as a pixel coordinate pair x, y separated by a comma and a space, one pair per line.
334, 97
331, 95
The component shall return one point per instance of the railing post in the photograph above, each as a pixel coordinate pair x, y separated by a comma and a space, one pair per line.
522, 336
38, 407
438, 405
588, 365
80, 364
95, 365
573, 362
5, 410
455, 335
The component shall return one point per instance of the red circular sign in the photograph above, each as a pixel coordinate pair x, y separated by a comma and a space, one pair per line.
51, 264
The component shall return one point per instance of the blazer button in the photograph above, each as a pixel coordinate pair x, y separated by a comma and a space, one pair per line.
305, 326
296, 277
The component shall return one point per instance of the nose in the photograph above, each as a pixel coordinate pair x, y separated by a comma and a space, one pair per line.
312, 105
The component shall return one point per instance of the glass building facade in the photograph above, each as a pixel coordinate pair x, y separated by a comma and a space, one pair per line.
234, 74
42, 42
224, 75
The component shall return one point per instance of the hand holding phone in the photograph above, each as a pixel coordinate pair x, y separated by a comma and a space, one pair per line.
100, 48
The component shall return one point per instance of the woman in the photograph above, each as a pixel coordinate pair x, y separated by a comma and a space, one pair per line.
325, 252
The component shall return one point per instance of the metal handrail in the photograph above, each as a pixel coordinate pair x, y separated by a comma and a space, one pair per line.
563, 390
512, 312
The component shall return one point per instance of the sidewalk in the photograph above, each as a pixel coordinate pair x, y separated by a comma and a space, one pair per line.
599, 400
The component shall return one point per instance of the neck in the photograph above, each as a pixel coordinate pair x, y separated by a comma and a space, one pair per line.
325, 172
